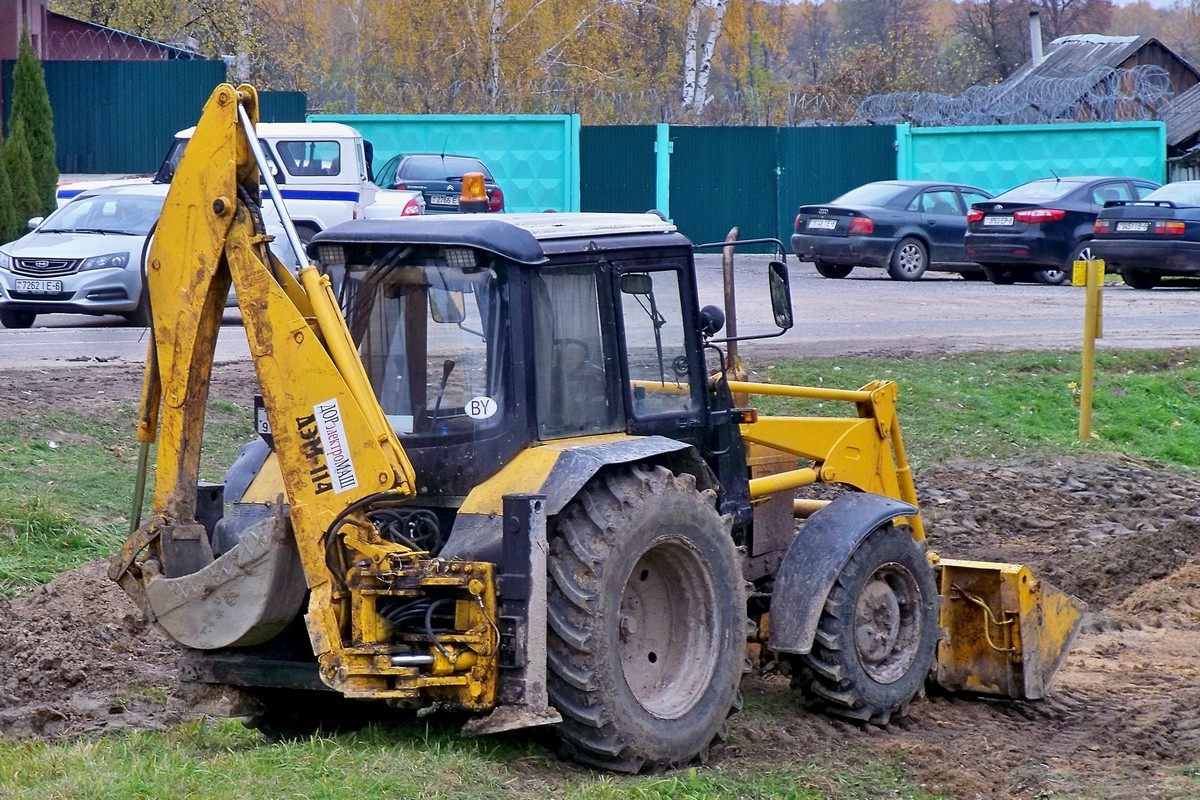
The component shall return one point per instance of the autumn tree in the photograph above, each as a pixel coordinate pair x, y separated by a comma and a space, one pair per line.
811, 39
31, 107
999, 31
1065, 17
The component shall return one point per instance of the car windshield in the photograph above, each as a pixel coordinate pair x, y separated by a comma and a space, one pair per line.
440, 168
1185, 192
1040, 191
131, 214
872, 194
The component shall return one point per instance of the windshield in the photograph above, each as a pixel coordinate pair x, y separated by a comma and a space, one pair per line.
1185, 192
872, 194
432, 338
440, 168
130, 214
1040, 191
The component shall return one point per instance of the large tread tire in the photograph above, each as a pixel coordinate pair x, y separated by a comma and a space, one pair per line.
909, 261
647, 613
877, 637
833, 271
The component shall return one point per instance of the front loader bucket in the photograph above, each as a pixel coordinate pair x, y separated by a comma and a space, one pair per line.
1005, 632
245, 597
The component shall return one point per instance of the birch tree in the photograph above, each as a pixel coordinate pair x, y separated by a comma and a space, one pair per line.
696, 71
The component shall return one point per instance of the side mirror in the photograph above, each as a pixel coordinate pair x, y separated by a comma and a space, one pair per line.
34, 222
781, 294
637, 283
446, 306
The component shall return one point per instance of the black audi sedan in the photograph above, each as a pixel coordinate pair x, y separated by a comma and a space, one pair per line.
1037, 230
1152, 238
905, 227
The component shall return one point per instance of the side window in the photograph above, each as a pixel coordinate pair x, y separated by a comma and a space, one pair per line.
1110, 191
939, 201
1142, 189
970, 197
311, 158
659, 368
574, 394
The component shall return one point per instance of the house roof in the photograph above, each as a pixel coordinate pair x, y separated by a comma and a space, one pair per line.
1182, 118
1074, 56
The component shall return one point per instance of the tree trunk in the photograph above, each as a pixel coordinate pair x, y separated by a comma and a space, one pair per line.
689, 55
710, 45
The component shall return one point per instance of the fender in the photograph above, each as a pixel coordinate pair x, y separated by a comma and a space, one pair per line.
814, 560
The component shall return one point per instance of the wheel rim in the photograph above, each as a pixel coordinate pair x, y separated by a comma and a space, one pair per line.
1054, 275
667, 629
911, 260
887, 623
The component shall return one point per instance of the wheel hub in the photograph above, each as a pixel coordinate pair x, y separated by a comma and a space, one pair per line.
887, 623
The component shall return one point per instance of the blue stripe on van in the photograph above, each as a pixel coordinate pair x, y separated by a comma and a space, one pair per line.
67, 194
312, 194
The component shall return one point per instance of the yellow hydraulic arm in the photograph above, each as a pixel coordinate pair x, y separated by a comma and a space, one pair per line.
337, 454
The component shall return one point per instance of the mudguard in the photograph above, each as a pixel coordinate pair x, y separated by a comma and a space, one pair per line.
814, 560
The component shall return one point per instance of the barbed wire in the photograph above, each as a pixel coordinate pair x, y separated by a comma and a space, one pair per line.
1102, 94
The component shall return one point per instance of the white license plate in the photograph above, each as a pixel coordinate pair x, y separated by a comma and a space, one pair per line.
1140, 227
443, 200
39, 287
822, 224
989, 222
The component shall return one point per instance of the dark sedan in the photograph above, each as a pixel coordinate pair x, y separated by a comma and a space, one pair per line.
1152, 238
439, 178
1039, 229
905, 227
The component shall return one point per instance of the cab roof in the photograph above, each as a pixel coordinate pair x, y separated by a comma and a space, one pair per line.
300, 130
517, 237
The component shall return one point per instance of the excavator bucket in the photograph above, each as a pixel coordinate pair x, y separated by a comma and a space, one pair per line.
1005, 632
245, 597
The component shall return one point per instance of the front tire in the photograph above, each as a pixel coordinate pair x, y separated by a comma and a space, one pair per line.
876, 639
17, 320
909, 260
647, 615
834, 271
999, 274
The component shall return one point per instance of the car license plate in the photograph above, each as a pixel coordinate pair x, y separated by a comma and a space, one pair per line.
38, 287
1140, 227
822, 224
443, 200
990, 222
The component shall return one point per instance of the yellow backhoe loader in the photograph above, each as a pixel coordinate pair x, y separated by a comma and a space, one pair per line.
500, 469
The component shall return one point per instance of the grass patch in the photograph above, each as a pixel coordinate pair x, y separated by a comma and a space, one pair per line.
204, 759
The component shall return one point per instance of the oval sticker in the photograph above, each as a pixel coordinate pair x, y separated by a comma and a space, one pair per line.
481, 407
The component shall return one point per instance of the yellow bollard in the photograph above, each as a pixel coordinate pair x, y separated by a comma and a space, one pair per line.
1089, 274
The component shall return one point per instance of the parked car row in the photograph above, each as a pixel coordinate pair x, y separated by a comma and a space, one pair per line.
1034, 232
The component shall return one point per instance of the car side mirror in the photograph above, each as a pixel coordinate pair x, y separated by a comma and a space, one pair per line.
781, 294
34, 222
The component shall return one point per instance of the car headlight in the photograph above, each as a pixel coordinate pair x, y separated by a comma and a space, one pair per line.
5, 261
110, 261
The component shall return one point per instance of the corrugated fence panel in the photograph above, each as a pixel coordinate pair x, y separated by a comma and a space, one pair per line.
108, 118
818, 164
617, 168
534, 158
1000, 157
282, 106
723, 178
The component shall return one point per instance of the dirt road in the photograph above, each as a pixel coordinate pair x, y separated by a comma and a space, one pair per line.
1123, 720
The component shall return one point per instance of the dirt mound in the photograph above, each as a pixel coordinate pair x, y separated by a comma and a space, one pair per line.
79, 658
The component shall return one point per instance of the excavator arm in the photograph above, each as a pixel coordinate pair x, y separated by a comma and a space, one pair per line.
339, 459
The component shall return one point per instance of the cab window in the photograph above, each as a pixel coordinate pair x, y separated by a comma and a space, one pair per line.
655, 345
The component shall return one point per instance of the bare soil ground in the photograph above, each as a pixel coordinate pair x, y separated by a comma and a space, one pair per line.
1123, 720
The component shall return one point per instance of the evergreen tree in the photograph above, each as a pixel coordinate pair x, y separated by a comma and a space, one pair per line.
31, 103
19, 166
8, 211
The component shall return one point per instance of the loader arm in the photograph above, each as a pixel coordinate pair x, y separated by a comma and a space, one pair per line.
338, 457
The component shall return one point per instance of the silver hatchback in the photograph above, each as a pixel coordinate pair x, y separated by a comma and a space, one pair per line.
85, 258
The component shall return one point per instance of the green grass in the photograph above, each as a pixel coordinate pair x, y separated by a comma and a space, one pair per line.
225, 760
1001, 405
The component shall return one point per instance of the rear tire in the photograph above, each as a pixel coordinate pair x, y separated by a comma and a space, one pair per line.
876, 639
1000, 275
647, 615
1141, 278
910, 259
834, 271
17, 320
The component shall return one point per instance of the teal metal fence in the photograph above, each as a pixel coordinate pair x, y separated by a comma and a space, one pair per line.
535, 159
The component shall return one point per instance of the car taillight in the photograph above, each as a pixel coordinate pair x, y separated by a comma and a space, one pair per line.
1035, 216
402, 187
861, 225
798, 224
1102, 226
411, 208
496, 200
1171, 228
974, 216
